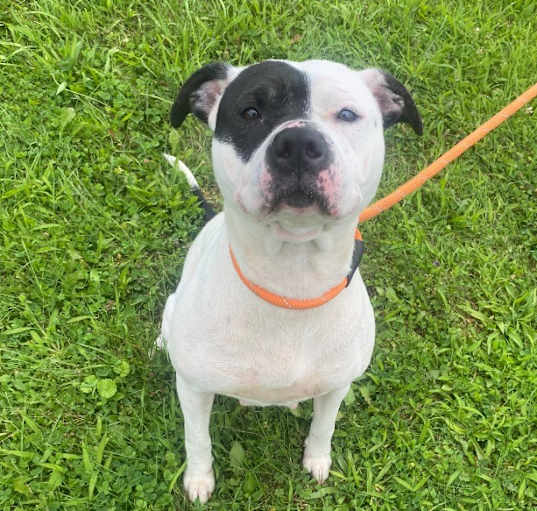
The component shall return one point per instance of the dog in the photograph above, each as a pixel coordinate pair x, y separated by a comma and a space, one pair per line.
297, 152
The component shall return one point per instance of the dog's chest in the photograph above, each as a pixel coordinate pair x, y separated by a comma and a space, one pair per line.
277, 358
277, 366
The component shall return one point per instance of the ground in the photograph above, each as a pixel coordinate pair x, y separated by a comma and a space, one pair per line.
94, 227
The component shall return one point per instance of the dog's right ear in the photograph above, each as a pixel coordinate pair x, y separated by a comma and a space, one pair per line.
201, 93
395, 102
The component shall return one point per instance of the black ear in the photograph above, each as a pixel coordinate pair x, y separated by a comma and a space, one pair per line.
200, 92
395, 102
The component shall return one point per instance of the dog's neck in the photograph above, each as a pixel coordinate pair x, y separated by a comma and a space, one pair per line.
298, 269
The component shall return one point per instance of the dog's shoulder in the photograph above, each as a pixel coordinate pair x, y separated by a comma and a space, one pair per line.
204, 243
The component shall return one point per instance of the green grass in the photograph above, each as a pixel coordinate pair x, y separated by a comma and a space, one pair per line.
94, 228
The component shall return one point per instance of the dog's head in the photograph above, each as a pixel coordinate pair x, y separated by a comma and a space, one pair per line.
296, 138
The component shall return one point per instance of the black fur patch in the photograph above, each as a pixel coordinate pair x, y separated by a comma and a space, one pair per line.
276, 90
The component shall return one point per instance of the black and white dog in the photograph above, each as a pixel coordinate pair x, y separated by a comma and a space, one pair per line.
297, 151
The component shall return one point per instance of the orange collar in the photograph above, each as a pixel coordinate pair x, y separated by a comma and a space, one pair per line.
308, 303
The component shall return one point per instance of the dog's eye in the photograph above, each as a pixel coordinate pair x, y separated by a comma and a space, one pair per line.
251, 114
347, 115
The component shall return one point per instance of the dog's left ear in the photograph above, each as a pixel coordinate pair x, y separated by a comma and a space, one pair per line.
200, 94
395, 102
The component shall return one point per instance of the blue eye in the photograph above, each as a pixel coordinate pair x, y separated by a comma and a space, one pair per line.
347, 115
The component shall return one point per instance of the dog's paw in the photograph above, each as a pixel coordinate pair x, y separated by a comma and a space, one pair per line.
199, 485
317, 466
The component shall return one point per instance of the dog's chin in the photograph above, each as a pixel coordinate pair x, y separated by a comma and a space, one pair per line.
295, 233
298, 217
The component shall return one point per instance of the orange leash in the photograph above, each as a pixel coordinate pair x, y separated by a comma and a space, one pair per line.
387, 202
434, 168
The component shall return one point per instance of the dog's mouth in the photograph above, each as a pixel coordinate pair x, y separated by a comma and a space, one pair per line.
299, 198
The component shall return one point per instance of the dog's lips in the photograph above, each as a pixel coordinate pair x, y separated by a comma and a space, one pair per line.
302, 190
299, 211
299, 199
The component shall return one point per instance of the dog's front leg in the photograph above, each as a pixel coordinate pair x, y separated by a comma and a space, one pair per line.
196, 406
317, 459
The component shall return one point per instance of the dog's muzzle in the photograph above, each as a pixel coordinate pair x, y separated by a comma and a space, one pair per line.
295, 158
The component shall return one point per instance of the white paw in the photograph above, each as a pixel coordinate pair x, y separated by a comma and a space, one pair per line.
317, 466
199, 485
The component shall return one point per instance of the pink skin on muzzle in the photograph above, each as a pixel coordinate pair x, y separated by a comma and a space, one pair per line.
329, 183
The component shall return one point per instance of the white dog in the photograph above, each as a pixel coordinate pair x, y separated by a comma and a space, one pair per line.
266, 311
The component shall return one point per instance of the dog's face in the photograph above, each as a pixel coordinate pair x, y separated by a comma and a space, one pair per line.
292, 139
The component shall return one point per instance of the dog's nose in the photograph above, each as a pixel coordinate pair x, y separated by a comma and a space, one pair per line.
298, 149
